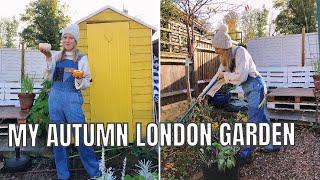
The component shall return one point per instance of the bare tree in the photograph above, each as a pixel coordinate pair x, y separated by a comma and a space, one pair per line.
194, 12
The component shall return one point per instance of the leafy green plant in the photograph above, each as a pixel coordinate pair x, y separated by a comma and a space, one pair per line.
314, 126
226, 156
227, 88
316, 67
208, 155
39, 113
27, 84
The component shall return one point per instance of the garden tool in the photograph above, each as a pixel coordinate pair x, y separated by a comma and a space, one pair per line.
182, 119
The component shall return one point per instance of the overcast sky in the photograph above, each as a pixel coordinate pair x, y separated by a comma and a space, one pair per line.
253, 4
146, 10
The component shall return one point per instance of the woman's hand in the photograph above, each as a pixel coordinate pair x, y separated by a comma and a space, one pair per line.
200, 98
45, 49
46, 53
221, 75
78, 74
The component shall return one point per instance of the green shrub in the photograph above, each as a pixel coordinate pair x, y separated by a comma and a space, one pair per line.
39, 113
316, 67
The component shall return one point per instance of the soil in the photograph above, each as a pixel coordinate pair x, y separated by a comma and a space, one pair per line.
44, 168
301, 161
172, 113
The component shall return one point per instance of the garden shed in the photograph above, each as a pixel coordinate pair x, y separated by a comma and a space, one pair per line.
119, 48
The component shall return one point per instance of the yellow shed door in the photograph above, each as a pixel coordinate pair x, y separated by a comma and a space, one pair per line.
110, 91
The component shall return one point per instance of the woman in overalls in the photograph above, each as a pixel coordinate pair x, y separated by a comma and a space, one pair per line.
237, 67
65, 98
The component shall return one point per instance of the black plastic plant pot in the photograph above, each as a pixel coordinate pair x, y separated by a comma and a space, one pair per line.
213, 173
220, 99
17, 164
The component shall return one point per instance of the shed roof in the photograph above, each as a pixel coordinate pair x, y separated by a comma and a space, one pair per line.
120, 12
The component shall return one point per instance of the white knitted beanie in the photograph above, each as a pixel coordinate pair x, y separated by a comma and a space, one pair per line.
222, 39
72, 29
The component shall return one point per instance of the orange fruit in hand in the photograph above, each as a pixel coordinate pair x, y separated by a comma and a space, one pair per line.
77, 74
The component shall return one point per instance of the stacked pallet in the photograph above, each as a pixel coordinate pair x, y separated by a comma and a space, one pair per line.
10, 114
292, 104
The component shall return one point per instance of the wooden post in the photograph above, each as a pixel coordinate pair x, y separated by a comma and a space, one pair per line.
303, 34
22, 60
170, 38
187, 65
195, 66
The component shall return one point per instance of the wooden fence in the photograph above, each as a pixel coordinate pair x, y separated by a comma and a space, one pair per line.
173, 64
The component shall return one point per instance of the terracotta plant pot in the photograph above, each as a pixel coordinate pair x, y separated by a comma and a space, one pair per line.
316, 79
26, 100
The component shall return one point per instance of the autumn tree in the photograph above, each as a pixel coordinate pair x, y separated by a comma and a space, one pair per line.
231, 19
254, 23
195, 11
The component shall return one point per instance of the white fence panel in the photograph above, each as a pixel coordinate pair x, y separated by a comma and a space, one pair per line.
10, 71
10, 61
283, 51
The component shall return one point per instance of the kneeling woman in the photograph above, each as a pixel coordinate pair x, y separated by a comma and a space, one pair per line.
65, 98
237, 67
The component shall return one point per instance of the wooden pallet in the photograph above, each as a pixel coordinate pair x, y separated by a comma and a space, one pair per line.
3, 129
294, 95
9, 93
11, 90
300, 77
310, 107
292, 115
274, 76
295, 77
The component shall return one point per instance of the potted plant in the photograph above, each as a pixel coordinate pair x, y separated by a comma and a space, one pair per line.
26, 97
316, 76
219, 162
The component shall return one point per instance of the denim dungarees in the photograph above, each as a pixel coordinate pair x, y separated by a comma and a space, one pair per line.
65, 106
254, 92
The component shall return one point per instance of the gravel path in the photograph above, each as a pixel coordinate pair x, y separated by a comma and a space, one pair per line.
301, 161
